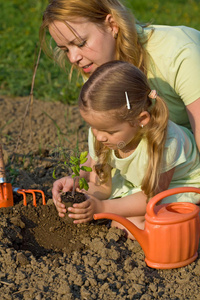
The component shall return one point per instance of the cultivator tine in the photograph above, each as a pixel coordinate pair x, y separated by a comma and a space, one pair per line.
6, 190
30, 191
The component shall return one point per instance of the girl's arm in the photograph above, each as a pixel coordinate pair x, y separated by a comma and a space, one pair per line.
129, 206
65, 184
102, 191
193, 111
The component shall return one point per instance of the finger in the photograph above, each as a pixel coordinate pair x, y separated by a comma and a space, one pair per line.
59, 204
78, 211
61, 215
84, 204
60, 185
55, 201
82, 221
62, 210
81, 216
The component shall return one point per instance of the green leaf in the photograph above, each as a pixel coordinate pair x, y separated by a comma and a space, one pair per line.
72, 157
74, 160
82, 161
86, 169
54, 174
74, 169
81, 183
86, 186
83, 155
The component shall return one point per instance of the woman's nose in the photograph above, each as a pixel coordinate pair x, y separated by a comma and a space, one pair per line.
74, 56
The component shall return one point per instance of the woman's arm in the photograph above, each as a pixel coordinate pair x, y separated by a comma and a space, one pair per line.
193, 111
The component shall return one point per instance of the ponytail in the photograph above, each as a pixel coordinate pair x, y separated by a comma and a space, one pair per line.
156, 132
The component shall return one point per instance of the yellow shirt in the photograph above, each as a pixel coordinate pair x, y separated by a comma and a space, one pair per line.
174, 71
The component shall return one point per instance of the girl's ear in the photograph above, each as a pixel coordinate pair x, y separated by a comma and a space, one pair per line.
144, 118
112, 25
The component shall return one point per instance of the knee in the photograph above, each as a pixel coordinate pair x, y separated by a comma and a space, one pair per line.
127, 233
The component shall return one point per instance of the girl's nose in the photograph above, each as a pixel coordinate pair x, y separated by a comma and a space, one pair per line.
100, 136
74, 56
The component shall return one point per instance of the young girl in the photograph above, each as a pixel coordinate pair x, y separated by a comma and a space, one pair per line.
130, 132
89, 33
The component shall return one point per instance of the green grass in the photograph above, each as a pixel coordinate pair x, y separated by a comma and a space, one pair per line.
171, 12
20, 21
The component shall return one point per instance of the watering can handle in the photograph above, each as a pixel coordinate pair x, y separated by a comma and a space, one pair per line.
2, 167
167, 193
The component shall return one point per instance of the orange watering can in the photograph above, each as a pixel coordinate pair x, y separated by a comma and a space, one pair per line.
170, 238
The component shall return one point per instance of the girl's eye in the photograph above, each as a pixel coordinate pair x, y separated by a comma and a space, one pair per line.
82, 44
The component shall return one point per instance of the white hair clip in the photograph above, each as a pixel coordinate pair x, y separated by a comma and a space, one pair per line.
127, 101
153, 94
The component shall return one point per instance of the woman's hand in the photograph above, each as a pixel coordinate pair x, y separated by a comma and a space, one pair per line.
60, 186
83, 212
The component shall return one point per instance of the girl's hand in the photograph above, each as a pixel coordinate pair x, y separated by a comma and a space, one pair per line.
61, 185
83, 212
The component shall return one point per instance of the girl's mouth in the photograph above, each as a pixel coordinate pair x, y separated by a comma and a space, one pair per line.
111, 146
88, 68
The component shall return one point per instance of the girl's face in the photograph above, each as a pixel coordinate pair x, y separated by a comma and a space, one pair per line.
112, 133
87, 45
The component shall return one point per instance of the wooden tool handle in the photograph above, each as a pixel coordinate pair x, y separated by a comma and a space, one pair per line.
2, 167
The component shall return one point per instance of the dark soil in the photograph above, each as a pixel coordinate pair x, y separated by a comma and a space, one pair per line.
44, 257
76, 198
68, 199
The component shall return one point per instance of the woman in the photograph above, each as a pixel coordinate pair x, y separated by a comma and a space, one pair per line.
90, 33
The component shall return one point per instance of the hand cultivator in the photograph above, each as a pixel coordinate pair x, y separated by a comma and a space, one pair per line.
6, 190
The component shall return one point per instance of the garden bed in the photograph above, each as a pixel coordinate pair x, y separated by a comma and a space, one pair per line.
44, 257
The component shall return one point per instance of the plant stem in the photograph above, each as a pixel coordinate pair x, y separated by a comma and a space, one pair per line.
73, 190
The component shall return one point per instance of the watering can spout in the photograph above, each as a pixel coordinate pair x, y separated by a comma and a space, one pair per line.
140, 235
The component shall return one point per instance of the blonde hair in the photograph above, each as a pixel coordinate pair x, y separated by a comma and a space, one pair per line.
129, 47
105, 92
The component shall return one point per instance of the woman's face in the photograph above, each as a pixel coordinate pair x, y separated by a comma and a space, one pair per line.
86, 44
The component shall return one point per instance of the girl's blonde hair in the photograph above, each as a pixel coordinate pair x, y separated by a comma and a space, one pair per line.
129, 47
105, 92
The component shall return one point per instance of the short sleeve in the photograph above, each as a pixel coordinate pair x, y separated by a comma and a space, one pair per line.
187, 81
174, 152
91, 144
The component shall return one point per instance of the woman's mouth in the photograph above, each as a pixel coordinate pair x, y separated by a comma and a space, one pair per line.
88, 68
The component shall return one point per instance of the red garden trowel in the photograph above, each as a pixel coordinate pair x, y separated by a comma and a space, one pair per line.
6, 193
6, 190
